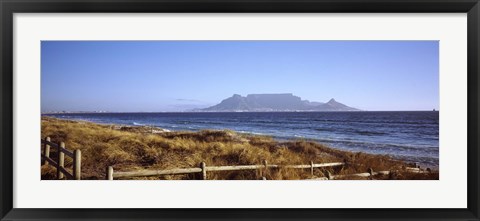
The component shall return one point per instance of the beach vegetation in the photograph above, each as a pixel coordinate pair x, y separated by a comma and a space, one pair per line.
130, 148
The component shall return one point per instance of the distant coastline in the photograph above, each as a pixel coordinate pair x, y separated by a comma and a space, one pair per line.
153, 112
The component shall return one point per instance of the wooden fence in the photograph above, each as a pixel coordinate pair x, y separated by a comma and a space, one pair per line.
76, 155
370, 172
203, 169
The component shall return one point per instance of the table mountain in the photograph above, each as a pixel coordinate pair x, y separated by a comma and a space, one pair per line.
274, 102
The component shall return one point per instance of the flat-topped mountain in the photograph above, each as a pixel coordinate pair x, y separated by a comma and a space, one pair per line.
274, 102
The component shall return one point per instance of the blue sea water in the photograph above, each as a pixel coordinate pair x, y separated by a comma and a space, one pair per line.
408, 135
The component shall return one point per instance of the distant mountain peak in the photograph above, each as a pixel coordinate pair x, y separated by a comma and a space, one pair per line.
274, 102
332, 101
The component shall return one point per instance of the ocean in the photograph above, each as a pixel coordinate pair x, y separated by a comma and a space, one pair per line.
407, 135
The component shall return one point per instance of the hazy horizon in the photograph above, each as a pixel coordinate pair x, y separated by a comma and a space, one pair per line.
176, 76
194, 109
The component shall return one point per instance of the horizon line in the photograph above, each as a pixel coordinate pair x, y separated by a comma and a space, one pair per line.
126, 112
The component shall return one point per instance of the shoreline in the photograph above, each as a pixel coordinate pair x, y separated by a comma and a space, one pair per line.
157, 129
134, 147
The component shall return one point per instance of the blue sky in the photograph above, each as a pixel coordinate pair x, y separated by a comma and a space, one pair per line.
136, 76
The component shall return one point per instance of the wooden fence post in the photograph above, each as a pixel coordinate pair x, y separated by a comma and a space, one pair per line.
46, 152
311, 168
77, 164
265, 167
109, 173
61, 160
370, 171
345, 164
329, 175
204, 170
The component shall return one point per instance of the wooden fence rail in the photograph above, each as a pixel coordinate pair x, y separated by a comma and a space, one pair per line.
203, 169
76, 155
370, 172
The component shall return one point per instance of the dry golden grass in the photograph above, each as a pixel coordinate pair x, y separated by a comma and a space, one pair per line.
134, 148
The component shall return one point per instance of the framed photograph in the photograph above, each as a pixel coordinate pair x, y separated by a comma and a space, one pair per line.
198, 110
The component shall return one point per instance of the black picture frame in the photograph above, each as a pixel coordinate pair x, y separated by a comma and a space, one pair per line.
9, 7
